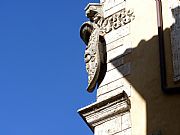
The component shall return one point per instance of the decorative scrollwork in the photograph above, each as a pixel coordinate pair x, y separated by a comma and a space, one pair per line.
91, 33
117, 20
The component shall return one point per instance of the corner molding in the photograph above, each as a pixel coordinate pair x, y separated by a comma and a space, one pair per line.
100, 112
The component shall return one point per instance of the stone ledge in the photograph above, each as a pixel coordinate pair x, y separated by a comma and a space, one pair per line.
102, 111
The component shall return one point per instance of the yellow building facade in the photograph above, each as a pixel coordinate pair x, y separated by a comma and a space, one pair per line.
141, 75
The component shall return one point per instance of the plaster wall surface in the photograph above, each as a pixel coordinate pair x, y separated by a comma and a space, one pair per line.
151, 109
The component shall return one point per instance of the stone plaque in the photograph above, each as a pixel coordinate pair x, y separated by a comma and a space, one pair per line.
175, 37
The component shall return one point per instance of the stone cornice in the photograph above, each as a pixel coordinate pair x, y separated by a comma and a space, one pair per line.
100, 112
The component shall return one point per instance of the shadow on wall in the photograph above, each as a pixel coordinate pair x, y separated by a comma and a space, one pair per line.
162, 110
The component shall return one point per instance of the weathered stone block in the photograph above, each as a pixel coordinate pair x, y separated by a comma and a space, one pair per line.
118, 33
109, 94
110, 127
119, 52
126, 132
115, 63
126, 121
115, 44
116, 73
113, 89
112, 6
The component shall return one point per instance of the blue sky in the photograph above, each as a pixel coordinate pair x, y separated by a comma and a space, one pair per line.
42, 71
